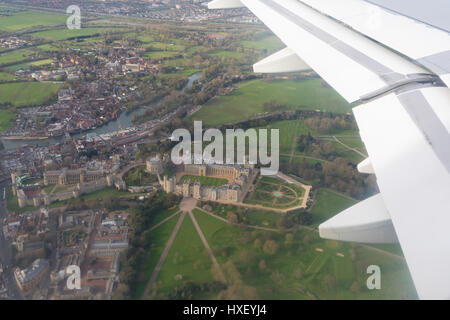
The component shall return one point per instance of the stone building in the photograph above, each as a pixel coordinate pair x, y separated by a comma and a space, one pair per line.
154, 166
65, 176
238, 176
30, 277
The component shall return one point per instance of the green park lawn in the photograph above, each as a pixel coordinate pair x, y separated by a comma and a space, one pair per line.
6, 77
15, 56
205, 181
187, 257
139, 177
267, 43
25, 20
62, 34
158, 239
247, 101
279, 280
20, 94
6, 118
328, 204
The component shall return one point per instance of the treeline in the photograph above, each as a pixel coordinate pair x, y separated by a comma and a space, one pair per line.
339, 174
140, 240
330, 123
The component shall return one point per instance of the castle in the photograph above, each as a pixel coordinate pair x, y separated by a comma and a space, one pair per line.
238, 176
66, 177
83, 182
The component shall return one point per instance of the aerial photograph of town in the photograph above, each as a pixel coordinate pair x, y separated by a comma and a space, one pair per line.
96, 204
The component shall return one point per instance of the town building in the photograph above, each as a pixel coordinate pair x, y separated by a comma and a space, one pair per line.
30, 277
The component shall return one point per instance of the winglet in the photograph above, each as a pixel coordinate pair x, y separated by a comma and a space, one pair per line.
367, 222
365, 166
225, 4
285, 60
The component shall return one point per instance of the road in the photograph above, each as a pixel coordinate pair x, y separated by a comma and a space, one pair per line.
5, 251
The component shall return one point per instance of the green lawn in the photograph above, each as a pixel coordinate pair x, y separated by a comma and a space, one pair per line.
61, 34
205, 181
268, 43
247, 101
6, 118
21, 94
155, 55
273, 193
187, 257
6, 76
344, 262
327, 205
139, 177
15, 56
13, 205
159, 239
226, 54
29, 19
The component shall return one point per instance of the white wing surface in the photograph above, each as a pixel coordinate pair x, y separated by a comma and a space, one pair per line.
398, 67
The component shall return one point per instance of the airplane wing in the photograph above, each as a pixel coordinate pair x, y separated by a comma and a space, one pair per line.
397, 67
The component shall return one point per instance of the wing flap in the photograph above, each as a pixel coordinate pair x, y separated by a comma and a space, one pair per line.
413, 177
429, 46
367, 221
352, 64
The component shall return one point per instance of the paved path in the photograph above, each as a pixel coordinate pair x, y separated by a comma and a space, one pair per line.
208, 248
164, 221
306, 157
246, 225
163, 257
350, 148
297, 183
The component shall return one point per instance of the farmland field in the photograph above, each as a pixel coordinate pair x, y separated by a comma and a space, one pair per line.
247, 101
21, 94
25, 20
6, 118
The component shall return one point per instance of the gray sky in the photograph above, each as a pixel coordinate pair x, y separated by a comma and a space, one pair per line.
433, 12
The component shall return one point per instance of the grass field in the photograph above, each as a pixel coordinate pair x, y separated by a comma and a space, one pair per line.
158, 238
273, 193
247, 101
29, 19
187, 257
42, 62
13, 204
328, 204
315, 257
21, 94
268, 44
139, 177
205, 181
6, 118
6, 76
15, 56
226, 54
62, 34
99, 195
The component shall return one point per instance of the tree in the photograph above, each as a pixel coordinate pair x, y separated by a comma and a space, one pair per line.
355, 287
257, 244
262, 265
329, 282
270, 247
232, 217
288, 240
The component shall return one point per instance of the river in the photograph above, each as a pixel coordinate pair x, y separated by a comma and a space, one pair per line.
125, 119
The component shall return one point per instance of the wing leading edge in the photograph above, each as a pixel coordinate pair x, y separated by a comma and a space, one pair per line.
404, 121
